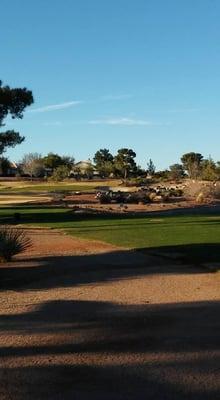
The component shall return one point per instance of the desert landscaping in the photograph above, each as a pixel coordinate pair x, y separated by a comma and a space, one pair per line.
102, 304
109, 200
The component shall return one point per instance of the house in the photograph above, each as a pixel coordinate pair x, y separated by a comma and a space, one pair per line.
8, 168
13, 169
84, 169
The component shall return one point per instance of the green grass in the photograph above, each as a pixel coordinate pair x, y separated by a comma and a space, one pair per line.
195, 236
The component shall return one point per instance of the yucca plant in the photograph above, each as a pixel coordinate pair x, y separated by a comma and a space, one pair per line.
12, 241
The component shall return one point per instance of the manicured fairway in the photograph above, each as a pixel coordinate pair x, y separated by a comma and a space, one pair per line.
197, 236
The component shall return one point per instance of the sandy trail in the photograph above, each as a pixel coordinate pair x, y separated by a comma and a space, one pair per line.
85, 320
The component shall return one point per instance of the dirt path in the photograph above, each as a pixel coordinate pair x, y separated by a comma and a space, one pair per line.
53, 242
90, 321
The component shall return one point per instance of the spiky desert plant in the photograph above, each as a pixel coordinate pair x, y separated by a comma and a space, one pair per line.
12, 241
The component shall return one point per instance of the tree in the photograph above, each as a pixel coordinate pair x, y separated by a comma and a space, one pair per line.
101, 156
162, 175
68, 161
124, 162
89, 172
218, 169
151, 168
106, 169
103, 160
4, 166
32, 164
140, 172
60, 173
209, 170
76, 173
53, 160
12, 102
176, 171
192, 164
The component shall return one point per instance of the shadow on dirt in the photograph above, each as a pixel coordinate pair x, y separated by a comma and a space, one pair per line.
67, 271
113, 351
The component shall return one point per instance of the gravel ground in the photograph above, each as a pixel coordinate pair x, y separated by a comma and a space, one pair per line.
89, 321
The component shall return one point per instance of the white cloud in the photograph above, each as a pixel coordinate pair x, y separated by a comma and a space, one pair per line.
122, 121
54, 107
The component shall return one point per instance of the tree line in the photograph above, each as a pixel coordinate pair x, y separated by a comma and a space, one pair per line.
106, 165
13, 102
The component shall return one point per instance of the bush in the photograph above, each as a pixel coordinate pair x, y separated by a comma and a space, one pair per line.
203, 191
132, 198
165, 197
104, 198
200, 198
12, 241
60, 173
139, 181
152, 196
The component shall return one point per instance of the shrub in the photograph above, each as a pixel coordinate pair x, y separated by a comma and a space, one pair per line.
202, 191
165, 197
152, 196
132, 198
104, 198
60, 173
12, 241
200, 198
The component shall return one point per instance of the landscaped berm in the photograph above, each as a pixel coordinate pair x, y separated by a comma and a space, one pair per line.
110, 303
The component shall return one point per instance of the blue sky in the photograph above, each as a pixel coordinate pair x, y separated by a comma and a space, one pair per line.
143, 74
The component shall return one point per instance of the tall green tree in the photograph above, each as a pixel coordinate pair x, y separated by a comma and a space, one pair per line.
124, 162
103, 160
13, 101
192, 164
68, 161
53, 160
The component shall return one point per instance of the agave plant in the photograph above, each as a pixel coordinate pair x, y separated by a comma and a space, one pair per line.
12, 241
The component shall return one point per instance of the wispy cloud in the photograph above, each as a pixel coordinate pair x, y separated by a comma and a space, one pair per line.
68, 104
123, 121
54, 107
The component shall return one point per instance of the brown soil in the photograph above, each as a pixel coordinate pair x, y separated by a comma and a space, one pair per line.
85, 320
54, 243
89, 202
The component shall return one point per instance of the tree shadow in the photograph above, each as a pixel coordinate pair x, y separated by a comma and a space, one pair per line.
37, 213
99, 350
66, 271
194, 253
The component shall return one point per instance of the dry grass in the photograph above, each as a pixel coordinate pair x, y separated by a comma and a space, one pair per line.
23, 184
